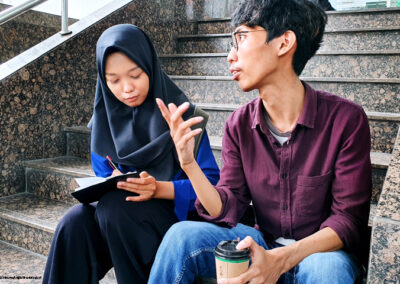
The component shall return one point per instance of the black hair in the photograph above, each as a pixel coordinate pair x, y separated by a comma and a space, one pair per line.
303, 17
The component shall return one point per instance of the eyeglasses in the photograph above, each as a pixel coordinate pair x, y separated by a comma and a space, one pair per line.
237, 37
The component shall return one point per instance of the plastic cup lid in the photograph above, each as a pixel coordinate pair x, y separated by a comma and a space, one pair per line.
227, 249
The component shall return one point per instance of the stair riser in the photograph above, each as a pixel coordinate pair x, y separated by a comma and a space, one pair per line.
383, 133
338, 66
383, 40
26, 237
371, 96
78, 145
336, 21
51, 185
378, 176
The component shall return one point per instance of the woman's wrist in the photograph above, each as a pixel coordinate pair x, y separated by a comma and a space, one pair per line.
164, 190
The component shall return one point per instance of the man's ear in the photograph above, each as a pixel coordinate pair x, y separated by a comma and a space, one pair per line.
287, 43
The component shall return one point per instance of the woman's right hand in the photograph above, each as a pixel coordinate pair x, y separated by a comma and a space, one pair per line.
181, 133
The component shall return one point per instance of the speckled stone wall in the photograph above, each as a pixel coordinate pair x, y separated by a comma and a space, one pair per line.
57, 89
25, 31
384, 266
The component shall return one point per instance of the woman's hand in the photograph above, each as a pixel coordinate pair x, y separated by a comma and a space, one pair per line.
266, 266
145, 186
181, 133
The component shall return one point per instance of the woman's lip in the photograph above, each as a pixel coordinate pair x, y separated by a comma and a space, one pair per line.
132, 99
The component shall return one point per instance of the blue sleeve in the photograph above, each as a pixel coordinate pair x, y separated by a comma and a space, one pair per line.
100, 166
184, 192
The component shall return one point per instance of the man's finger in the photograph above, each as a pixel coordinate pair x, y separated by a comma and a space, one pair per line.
164, 111
176, 117
247, 242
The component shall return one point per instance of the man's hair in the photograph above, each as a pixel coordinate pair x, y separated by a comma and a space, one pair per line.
302, 17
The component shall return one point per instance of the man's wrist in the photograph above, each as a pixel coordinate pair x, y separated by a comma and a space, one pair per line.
284, 256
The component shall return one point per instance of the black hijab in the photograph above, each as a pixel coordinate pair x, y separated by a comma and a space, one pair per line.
135, 136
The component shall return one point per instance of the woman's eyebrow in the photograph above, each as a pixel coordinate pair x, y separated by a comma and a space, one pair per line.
130, 70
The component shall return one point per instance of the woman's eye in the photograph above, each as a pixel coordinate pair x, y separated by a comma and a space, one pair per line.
241, 37
114, 82
136, 75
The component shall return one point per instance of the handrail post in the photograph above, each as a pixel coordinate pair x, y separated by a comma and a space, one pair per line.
64, 18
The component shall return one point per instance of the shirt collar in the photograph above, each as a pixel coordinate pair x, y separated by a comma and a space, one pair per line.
307, 116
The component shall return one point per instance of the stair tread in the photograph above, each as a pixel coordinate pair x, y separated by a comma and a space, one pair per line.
391, 116
311, 79
34, 211
349, 30
333, 52
15, 261
378, 160
65, 164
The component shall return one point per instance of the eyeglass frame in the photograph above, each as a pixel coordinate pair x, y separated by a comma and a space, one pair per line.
234, 42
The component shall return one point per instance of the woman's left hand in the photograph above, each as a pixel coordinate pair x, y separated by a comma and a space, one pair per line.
145, 186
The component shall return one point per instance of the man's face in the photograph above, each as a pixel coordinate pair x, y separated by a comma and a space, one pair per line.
253, 61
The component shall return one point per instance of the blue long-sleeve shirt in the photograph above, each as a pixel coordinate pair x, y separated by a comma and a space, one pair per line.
184, 193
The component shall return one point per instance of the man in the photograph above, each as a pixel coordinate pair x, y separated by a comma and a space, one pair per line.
301, 157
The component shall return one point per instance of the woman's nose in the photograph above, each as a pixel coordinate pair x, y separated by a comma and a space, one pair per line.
128, 86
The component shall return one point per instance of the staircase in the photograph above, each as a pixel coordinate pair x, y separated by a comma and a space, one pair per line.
359, 60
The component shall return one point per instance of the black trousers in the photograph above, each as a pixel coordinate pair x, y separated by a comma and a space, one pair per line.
90, 239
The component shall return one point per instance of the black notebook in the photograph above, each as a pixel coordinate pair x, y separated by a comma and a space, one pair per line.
93, 188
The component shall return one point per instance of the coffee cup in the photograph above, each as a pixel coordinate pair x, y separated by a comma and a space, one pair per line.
230, 262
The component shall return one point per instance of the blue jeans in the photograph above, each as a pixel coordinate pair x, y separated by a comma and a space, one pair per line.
187, 251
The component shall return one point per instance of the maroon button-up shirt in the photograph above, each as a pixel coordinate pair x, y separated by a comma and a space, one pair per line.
321, 177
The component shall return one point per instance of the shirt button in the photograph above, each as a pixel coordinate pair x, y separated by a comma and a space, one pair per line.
284, 207
284, 175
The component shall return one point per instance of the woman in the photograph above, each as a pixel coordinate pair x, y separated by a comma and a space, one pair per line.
123, 230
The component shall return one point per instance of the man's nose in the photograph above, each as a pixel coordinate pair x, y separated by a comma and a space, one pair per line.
232, 55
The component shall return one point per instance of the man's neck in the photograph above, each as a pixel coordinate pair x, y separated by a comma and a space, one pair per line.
284, 102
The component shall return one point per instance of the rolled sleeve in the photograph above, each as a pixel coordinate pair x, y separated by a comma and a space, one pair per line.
351, 186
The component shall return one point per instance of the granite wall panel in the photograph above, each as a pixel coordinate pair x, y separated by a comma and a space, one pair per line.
57, 89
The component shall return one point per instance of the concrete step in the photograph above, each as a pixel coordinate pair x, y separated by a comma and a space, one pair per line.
337, 20
342, 64
18, 265
383, 126
54, 178
379, 161
27, 225
373, 95
348, 39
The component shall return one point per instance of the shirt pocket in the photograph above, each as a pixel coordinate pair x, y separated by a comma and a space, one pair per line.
311, 194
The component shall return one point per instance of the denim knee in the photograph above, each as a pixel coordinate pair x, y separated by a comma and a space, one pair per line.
328, 267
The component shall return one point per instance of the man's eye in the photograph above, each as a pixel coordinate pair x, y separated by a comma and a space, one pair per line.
242, 37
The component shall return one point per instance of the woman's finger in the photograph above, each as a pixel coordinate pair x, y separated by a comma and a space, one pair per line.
138, 198
133, 187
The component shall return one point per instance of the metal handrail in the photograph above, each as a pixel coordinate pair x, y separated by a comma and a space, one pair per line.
13, 12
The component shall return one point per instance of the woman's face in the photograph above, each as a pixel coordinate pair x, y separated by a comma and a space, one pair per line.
127, 81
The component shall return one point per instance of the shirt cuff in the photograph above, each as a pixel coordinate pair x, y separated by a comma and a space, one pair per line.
222, 219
